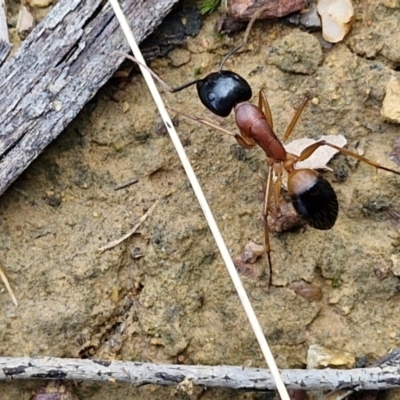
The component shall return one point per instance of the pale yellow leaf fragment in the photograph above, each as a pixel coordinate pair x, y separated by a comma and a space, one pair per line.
320, 158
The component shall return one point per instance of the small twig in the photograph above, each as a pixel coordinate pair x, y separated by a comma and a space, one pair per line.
20, 191
130, 233
126, 183
7, 285
343, 395
222, 376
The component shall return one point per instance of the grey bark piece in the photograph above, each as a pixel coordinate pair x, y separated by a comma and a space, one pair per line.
61, 65
385, 376
5, 49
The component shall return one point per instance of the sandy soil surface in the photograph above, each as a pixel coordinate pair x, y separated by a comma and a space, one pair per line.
164, 295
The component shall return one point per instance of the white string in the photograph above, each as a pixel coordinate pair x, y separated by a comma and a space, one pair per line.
203, 204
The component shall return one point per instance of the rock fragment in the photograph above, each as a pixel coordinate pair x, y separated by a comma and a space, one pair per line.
298, 52
337, 16
25, 20
245, 9
307, 290
391, 103
322, 357
310, 18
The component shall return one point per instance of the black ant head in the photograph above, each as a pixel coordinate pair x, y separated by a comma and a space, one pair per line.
221, 91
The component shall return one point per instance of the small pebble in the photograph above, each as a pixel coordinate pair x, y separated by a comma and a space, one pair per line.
381, 269
395, 264
125, 106
310, 19
346, 310
53, 201
337, 17
25, 20
341, 173
307, 290
179, 57
391, 103
321, 357
394, 155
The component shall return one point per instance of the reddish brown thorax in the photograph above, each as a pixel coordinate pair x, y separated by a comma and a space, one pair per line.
253, 125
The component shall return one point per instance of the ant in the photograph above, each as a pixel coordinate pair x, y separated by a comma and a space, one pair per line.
312, 196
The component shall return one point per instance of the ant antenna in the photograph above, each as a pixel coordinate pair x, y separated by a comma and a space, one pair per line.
245, 37
155, 76
233, 51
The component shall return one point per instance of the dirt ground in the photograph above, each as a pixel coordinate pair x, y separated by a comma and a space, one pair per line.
164, 295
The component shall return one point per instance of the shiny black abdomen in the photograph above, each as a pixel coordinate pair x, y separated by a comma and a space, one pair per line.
318, 205
221, 91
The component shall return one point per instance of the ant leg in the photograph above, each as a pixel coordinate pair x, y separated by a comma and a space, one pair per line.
310, 150
263, 105
271, 209
267, 246
155, 76
296, 117
277, 192
247, 143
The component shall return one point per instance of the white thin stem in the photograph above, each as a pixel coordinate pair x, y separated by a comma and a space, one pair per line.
204, 205
3, 23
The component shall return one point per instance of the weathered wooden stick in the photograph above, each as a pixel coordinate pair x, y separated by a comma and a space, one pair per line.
59, 68
137, 373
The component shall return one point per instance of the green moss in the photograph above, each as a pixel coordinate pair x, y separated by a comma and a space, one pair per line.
209, 6
337, 279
